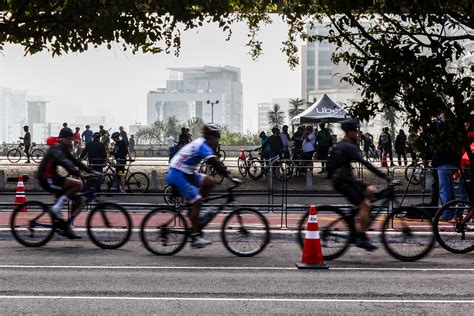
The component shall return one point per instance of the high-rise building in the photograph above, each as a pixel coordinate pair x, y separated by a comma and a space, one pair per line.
319, 73
12, 114
210, 93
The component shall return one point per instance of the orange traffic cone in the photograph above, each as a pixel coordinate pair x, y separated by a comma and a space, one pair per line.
20, 193
312, 253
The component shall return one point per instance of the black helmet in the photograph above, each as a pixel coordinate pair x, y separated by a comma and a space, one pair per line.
96, 135
65, 133
350, 125
211, 129
115, 135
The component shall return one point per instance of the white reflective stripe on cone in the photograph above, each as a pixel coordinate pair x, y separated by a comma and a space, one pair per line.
312, 219
312, 235
20, 195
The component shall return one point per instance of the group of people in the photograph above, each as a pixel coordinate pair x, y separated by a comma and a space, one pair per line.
307, 142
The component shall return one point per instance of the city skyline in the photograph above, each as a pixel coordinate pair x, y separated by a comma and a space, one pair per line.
115, 84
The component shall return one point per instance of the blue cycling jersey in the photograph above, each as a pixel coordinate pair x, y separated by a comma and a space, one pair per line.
188, 158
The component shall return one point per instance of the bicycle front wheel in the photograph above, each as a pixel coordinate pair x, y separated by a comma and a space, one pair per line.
164, 231
245, 232
109, 226
415, 173
14, 155
32, 224
457, 234
254, 169
37, 155
407, 233
138, 182
334, 231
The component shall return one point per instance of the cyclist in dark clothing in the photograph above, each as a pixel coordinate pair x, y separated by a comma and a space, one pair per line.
96, 153
183, 137
27, 141
358, 193
120, 155
64, 188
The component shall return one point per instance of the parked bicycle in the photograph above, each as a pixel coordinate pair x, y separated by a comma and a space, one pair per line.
281, 168
160, 151
244, 160
14, 155
244, 232
136, 182
406, 233
456, 234
108, 225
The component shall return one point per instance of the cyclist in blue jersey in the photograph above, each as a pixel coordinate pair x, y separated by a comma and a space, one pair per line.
191, 184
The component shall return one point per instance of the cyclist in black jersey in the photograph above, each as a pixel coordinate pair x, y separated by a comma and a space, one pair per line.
63, 188
357, 192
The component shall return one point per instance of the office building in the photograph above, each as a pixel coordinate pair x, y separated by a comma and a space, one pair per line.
13, 115
210, 93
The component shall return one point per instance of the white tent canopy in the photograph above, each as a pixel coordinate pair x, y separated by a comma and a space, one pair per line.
323, 110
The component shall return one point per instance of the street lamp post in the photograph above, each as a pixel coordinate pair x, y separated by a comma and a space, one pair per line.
212, 109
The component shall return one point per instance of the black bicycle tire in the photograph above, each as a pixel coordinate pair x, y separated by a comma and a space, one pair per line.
146, 187
324, 209
145, 241
222, 155
260, 175
95, 240
17, 211
280, 176
436, 218
242, 166
12, 151
409, 177
33, 156
107, 182
266, 228
413, 210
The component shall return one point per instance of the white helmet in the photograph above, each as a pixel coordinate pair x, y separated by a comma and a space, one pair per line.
211, 129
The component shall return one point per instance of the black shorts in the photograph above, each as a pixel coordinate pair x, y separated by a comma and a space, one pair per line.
120, 167
352, 190
53, 185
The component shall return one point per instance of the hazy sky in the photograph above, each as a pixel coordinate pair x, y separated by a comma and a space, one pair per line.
115, 83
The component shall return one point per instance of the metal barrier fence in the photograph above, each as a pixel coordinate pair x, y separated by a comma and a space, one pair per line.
271, 194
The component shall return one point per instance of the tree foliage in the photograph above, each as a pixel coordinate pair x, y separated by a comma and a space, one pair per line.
276, 117
296, 107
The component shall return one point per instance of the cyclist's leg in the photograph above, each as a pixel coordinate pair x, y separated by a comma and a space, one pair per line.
72, 187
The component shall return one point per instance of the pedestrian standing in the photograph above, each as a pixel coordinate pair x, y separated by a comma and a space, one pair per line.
104, 136
87, 135
324, 140
412, 140
309, 143
64, 129
285, 138
275, 143
401, 147
77, 141
171, 146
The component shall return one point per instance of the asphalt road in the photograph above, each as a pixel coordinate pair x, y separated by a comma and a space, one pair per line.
74, 277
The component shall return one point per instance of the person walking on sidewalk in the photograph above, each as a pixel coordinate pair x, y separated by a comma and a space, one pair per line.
401, 147
385, 145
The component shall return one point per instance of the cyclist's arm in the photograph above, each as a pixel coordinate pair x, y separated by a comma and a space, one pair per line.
77, 163
218, 166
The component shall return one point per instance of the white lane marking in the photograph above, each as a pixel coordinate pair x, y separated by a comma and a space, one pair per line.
222, 268
231, 299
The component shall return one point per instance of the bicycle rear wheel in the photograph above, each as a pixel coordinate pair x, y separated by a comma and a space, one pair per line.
138, 182
109, 226
454, 236
245, 232
407, 234
14, 155
242, 166
416, 173
32, 224
37, 155
334, 231
164, 231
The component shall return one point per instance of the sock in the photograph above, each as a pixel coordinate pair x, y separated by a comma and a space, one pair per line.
56, 208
